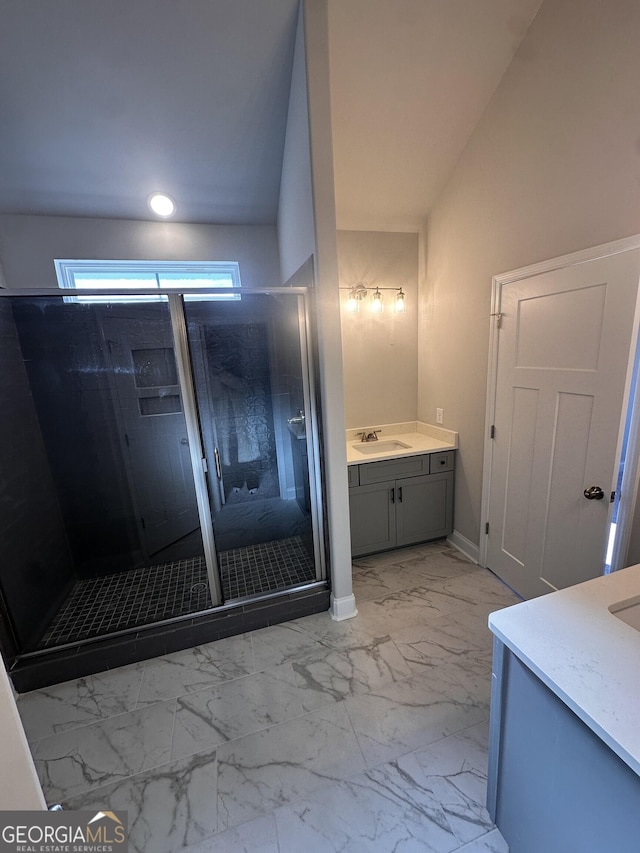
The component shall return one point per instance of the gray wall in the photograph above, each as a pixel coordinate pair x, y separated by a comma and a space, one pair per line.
307, 226
29, 244
553, 167
296, 224
379, 351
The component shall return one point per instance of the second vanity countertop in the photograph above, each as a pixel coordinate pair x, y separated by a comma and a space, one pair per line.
585, 654
421, 438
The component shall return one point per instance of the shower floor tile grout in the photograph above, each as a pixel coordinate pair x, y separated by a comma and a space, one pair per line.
138, 597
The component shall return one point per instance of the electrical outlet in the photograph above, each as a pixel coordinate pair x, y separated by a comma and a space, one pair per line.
439, 416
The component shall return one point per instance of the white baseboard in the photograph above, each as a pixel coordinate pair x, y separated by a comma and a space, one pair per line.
465, 545
343, 608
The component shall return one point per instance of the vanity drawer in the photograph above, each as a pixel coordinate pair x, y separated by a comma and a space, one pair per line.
441, 461
392, 469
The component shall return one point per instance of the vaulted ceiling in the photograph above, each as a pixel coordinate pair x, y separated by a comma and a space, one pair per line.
410, 81
103, 102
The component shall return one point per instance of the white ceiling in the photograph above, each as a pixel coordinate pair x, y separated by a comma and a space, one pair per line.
105, 101
410, 80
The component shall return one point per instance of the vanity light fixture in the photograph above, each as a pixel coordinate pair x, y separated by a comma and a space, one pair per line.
356, 295
376, 302
358, 292
161, 204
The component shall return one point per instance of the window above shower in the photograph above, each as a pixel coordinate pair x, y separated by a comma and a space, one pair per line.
141, 276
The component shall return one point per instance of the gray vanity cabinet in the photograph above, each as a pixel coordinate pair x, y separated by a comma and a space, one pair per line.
399, 502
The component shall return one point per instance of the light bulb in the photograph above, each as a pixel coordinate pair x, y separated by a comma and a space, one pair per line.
400, 306
161, 204
376, 302
353, 303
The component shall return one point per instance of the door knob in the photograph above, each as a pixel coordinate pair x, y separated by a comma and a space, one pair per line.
594, 493
184, 441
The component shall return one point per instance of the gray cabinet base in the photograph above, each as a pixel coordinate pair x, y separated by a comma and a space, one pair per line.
398, 502
554, 786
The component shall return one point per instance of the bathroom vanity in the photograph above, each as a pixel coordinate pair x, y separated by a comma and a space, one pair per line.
564, 757
400, 486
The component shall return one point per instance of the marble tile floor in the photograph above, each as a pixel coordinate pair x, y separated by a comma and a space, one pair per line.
363, 735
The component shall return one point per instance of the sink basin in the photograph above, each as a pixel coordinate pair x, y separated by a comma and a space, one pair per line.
380, 446
628, 611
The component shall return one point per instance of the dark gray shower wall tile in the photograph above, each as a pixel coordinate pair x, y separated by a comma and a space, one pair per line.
169, 807
79, 702
196, 669
98, 754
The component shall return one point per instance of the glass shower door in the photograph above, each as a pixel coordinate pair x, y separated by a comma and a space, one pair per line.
252, 389
102, 526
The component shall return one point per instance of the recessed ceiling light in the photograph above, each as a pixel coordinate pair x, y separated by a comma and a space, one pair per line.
161, 204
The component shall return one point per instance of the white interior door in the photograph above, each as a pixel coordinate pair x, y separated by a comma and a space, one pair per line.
563, 353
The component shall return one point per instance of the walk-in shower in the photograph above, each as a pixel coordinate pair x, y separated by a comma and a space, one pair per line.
160, 458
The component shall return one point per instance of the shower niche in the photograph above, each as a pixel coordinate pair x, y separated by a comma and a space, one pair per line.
149, 474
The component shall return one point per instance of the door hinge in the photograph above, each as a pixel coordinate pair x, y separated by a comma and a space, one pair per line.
493, 431
613, 497
205, 465
486, 528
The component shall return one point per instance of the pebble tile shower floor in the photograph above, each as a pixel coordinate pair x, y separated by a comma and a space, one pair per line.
139, 597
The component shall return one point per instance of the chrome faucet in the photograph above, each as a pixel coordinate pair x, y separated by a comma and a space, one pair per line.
372, 435
298, 419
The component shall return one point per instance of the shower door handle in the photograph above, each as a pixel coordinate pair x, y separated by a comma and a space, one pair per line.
216, 457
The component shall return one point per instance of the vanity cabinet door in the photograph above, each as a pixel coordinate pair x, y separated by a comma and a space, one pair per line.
424, 508
373, 518
401, 510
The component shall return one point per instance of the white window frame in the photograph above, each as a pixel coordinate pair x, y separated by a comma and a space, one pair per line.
68, 269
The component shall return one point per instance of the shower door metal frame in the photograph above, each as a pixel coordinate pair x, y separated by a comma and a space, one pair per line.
199, 462
309, 387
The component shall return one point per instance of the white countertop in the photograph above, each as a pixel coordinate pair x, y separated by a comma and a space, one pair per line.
587, 656
421, 438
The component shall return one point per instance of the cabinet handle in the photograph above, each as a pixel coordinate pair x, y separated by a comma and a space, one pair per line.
400, 494
393, 496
